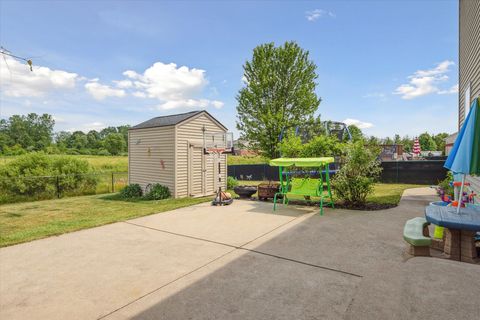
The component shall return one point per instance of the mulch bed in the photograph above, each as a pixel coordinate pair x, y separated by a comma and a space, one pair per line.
366, 207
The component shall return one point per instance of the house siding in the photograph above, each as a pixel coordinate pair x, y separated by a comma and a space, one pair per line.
469, 61
188, 132
148, 149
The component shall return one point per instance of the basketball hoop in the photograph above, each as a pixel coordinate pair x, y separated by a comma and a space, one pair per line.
216, 144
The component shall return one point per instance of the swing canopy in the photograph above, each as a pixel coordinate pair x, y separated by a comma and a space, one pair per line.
301, 162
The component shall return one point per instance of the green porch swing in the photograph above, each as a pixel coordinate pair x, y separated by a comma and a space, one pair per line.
306, 186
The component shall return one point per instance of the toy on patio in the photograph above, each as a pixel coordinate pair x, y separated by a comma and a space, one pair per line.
295, 181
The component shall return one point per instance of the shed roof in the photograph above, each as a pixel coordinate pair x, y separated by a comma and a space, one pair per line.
171, 120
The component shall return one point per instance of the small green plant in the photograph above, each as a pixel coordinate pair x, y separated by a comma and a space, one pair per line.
158, 192
445, 184
355, 179
131, 191
231, 183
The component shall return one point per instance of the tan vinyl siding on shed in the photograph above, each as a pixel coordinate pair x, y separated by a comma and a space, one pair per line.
469, 53
146, 167
469, 58
190, 131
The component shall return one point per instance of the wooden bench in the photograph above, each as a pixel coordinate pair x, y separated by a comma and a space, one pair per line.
416, 234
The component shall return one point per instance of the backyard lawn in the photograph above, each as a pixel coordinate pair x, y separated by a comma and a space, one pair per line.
24, 222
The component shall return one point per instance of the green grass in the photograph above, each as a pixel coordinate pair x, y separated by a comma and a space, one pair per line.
390, 193
232, 160
24, 222
99, 163
384, 193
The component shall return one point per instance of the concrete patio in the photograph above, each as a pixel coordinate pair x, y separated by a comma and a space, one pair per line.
239, 262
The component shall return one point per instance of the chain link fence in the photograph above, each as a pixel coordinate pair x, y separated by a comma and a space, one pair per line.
30, 188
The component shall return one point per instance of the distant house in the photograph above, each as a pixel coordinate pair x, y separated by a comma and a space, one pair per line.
242, 148
449, 141
469, 63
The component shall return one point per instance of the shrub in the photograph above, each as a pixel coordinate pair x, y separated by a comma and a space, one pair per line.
320, 146
35, 174
445, 184
354, 181
102, 152
131, 191
291, 147
158, 192
231, 183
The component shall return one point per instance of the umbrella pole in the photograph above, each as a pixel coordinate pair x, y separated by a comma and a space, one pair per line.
460, 196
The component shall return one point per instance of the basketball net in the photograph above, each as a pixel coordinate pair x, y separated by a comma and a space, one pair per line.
216, 152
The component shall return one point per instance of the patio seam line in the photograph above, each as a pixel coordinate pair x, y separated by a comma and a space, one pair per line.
241, 247
166, 284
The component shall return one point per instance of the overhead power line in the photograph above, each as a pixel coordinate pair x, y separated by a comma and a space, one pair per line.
8, 53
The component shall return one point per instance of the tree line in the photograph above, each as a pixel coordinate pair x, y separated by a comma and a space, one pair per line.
279, 97
20, 134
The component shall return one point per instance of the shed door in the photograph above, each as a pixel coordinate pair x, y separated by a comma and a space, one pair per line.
196, 171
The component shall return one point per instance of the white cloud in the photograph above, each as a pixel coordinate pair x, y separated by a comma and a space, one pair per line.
190, 104
16, 79
176, 87
453, 90
317, 14
98, 126
123, 84
101, 91
139, 94
358, 123
424, 82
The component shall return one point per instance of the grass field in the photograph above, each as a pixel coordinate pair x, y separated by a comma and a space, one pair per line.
120, 163
24, 222
99, 163
232, 160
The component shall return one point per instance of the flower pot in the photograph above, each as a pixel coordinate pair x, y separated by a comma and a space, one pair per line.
268, 190
245, 192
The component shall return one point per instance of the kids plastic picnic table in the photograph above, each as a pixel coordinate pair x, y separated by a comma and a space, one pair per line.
460, 229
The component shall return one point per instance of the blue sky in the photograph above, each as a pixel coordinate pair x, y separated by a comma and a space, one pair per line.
389, 66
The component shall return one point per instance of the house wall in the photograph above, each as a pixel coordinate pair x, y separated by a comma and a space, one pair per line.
469, 66
191, 131
151, 156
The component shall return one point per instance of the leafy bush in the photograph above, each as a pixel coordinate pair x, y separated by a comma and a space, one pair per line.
231, 183
354, 181
102, 152
35, 174
445, 184
158, 192
131, 191
320, 146
15, 150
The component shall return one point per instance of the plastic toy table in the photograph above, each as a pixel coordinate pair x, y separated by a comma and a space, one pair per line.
460, 230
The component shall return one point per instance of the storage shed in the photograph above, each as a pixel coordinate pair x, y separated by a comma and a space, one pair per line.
170, 150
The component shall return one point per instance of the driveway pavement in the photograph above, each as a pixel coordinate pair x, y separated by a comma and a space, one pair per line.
239, 262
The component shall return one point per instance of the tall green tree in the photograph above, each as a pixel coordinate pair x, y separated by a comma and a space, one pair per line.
440, 141
356, 133
279, 94
32, 132
114, 143
427, 143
